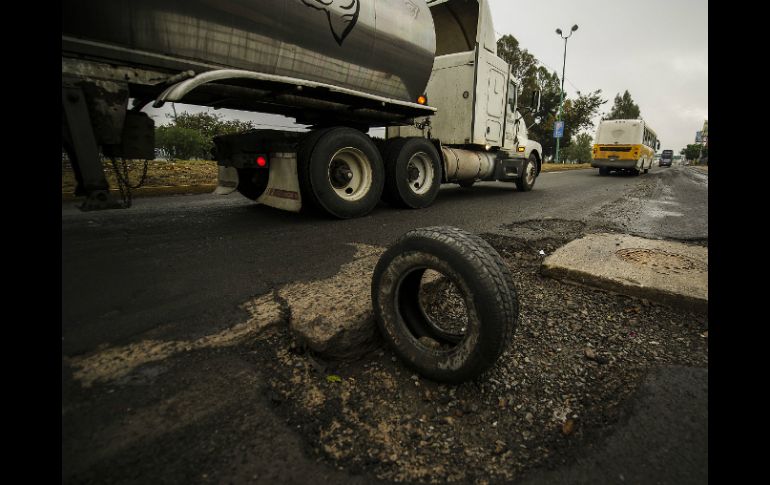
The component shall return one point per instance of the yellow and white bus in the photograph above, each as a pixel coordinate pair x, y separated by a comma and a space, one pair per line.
624, 145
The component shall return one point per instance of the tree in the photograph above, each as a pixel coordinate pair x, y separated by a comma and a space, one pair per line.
548, 84
206, 125
180, 143
532, 77
693, 152
210, 125
624, 108
577, 114
522, 62
579, 151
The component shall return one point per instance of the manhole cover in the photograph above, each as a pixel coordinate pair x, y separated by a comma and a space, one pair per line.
661, 261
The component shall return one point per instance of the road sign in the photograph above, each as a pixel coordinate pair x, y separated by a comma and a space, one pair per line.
558, 129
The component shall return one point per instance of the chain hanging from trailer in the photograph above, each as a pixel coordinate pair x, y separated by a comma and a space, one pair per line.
124, 185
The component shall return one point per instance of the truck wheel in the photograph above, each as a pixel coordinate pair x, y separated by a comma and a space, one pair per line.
387, 145
340, 172
386, 148
252, 182
603, 171
483, 283
527, 179
412, 173
466, 184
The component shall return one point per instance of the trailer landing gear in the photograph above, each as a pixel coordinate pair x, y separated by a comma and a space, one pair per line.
81, 146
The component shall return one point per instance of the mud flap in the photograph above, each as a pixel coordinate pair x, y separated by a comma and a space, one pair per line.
227, 180
282, 190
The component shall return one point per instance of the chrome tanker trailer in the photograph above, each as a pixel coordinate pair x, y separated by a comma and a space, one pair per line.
427, 71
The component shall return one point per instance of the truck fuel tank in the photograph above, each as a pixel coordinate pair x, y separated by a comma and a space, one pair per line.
380, 47
460, 164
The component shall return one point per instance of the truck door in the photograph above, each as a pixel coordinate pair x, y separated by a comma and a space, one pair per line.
490, 90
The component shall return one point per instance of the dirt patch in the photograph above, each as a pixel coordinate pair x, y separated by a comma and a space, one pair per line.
577, 355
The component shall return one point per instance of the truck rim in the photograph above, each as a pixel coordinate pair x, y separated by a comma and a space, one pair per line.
530, 173
350, 173
419, 173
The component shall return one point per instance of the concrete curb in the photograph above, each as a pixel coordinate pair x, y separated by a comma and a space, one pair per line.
672, 299
156, 191
667, 272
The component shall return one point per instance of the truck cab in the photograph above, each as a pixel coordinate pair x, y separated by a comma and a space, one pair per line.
476, 97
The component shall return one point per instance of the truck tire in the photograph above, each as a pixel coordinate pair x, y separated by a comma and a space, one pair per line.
603, 171
527, 179
487, 288
386, 147
252, 182
340, 172
412, 173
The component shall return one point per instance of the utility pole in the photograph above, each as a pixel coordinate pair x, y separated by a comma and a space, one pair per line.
561, 96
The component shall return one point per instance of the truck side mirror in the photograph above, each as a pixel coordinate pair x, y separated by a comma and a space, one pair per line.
658, 148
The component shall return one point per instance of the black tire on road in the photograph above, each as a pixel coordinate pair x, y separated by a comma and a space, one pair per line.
527, 179
340, 172
603, 171
412, 173
487, 288
252, 182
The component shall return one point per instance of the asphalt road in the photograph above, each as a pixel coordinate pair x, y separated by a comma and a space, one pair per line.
178, 268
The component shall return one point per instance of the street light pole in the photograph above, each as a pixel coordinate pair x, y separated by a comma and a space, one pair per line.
561, 95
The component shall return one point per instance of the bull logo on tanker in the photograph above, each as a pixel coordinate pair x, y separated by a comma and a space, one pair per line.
342, 15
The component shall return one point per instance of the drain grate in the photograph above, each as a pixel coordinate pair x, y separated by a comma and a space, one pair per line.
661, 261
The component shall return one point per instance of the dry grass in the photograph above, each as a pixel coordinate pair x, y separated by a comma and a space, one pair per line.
558, 167
160, 173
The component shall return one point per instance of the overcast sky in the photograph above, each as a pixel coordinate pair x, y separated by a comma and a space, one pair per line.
656, 49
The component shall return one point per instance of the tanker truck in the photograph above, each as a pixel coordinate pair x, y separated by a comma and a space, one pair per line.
426, 71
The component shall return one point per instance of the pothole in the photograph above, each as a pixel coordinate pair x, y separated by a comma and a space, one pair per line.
660, 261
